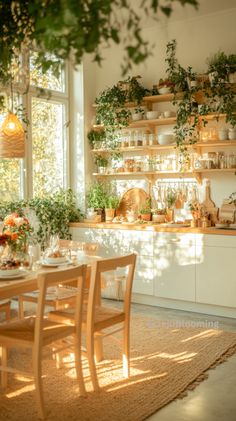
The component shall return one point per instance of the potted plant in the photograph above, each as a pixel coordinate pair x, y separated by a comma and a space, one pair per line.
48, 215
96, 138
165, 86
96, 198
136, 90
159, 215
111, 204
218, 68
138, 114
102, 163
146, 210
170, 202
232, 68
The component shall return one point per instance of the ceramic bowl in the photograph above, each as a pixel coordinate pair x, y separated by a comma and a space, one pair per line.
56, 260
9, 272
152, 115
165, 138
164, 90
168, 114
137, 116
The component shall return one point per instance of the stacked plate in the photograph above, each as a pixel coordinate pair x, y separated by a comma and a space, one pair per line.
12, 273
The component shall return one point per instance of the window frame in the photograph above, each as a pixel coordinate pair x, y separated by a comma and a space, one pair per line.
27, 93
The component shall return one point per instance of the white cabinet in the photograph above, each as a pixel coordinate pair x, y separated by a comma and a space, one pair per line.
174, 266
193, 268
215, 270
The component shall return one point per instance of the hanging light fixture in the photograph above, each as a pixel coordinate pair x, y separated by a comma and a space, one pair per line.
12, 135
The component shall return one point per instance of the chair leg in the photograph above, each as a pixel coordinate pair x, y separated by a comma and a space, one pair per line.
8, 313
20, 307
91, 361
78, 366
98, 348
37, 367
4, 364
126, 351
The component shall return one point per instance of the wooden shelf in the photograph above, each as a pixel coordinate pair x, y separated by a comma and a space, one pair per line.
150, 148
156, 122
154, 99
215, 143
163, 98
161, 174
216, 170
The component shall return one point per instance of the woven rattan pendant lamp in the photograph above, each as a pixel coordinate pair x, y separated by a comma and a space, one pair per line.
12, 136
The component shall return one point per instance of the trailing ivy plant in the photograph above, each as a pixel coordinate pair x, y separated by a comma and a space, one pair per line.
218, 98
54, 213
72, 28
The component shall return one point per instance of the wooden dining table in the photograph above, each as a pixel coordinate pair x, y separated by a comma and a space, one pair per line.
10, 288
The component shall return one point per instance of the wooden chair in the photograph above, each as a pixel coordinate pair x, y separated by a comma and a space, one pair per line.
97, 317
5, 307
60, 297
38, 332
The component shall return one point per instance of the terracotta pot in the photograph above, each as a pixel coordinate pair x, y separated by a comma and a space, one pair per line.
109, 214
146, 216
169, 215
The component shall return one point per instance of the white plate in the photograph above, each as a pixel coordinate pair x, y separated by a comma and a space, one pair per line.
55, 260
9, 272
46, 263
22, 274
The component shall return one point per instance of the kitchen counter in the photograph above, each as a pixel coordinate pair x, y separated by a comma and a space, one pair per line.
152, 227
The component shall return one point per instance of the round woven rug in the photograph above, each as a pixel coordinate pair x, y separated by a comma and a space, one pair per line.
165, 362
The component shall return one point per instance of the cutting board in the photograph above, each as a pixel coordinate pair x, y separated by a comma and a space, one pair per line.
132, 199
209, 205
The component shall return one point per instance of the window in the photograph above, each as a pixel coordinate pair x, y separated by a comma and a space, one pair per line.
46, 105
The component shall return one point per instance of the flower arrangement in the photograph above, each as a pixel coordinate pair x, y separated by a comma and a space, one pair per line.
16, 230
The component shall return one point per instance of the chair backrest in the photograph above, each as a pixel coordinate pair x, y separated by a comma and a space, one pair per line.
76, 275
98, 268
89, 248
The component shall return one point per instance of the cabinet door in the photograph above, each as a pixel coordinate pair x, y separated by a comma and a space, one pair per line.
215, 276
174, 268
143, 276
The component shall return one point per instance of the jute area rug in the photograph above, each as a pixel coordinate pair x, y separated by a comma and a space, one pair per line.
166, 362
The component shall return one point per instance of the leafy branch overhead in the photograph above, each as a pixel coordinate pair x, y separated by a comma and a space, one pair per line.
71, 28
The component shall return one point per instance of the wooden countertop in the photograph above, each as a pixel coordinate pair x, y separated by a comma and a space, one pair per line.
152, 227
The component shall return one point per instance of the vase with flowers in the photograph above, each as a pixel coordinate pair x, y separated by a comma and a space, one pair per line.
15, 234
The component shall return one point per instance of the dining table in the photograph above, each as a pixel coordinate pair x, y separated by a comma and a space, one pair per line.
28, 280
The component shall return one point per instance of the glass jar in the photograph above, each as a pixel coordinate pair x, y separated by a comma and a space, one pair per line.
232, 161
232, 133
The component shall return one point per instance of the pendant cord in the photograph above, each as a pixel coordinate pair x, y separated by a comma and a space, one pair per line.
11, 97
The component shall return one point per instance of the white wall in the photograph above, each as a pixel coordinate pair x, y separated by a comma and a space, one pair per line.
197, 38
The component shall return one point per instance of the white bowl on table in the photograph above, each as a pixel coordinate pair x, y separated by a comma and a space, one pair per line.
55, 260
165, 138
9, 272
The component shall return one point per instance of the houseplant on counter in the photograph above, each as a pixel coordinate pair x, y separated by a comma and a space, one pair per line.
171, 197
96, 198
111, 204
146, 210
159, 215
